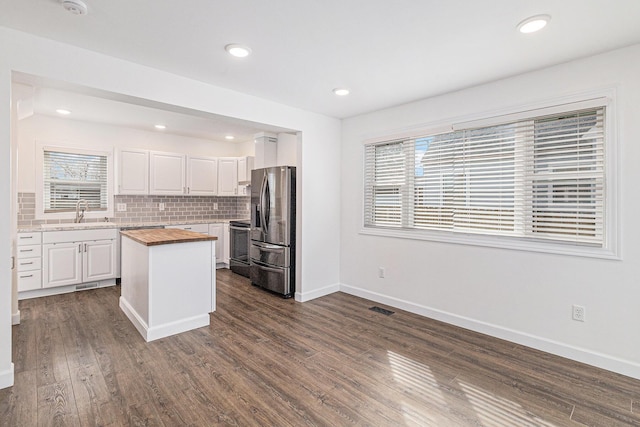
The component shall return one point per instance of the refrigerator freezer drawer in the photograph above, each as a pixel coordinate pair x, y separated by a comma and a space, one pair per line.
275, 279
266, 253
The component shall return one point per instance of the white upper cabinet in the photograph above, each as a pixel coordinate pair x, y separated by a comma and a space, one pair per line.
162, 173
245, 166
227, 176
133, 171
202, 176
167, 173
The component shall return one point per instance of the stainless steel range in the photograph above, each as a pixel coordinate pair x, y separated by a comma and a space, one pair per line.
239, 247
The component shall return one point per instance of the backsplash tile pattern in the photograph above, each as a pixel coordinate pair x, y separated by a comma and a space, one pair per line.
142, 209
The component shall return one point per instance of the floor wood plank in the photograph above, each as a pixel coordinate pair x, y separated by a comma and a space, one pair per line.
264, 360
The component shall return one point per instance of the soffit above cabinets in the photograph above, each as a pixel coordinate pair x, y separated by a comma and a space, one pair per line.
44, 97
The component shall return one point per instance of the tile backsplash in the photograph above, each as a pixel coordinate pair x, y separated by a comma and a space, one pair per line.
141, 209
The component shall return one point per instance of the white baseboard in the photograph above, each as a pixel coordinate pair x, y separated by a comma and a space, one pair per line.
15, 318
177, 327
600, 360
133, 316
308, 296
6, 378
166, 329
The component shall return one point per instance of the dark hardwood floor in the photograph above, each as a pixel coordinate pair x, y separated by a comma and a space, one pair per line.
274, 362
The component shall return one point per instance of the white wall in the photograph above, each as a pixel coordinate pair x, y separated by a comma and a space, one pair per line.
522, 296
319, 234
74, 133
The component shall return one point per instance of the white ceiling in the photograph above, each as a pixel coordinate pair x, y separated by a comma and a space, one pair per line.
118, 110
386, 52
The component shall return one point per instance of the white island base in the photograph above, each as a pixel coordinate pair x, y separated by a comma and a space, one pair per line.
167, 288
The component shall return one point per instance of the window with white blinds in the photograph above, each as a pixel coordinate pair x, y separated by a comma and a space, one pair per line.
70, 177
540, 178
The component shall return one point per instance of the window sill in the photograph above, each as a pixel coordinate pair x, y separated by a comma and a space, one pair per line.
501, 242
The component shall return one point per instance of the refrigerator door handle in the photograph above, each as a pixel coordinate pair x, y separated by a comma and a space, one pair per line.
261, 205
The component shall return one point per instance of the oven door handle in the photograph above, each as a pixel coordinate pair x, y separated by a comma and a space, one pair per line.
232, 227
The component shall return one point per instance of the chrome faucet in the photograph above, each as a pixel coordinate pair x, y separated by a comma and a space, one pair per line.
81, 210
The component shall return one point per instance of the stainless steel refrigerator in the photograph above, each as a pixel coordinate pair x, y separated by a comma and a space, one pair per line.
273, 229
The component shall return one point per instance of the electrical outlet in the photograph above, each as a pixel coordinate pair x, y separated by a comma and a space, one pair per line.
215, 206
160, 206
122, 207
579, 313
381, 272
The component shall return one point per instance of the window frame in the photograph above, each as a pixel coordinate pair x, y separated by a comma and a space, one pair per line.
611, 243
40, 213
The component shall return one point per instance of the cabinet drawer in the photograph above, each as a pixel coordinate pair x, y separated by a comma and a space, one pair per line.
29, 238
27, 264
29, 251
29, 280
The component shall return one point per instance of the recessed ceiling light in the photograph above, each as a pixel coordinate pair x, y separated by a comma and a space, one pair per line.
341, 91
533, 24
229, 137
160, 127
63, 111
238, 50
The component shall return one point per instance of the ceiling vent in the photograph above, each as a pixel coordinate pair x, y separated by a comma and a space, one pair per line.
75, 6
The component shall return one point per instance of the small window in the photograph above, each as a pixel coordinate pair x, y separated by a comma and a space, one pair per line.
70, 177
67, 175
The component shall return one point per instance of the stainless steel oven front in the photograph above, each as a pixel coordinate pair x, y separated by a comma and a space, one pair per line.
239, 247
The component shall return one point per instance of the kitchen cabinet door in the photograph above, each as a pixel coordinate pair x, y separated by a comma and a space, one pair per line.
245, 166
62, 264
218, 231
202, 176
99, 260
167, 173
227, 176
133, 171
226, 249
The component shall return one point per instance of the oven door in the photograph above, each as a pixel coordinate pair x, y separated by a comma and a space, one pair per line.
239, 244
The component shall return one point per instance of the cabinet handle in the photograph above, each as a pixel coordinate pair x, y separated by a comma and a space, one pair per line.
188, 190
27, 276
85, 247
26, 263
26, 250
80, 248
26, 237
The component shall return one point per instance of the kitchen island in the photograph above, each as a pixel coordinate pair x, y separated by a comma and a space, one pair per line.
168, 283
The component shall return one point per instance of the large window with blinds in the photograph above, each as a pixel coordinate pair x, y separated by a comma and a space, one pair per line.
539, 178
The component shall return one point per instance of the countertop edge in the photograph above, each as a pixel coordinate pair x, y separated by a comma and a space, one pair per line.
64, 227
183, 236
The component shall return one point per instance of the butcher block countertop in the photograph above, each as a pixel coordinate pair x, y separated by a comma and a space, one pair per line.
165, 236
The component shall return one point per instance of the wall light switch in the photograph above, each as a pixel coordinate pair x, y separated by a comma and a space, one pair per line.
247, 208
215, 206
160, 206
122, 207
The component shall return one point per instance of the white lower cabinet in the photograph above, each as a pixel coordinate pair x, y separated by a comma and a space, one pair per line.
226, 250
217, 230
29, 261
99, 260
62, 264
70, 258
